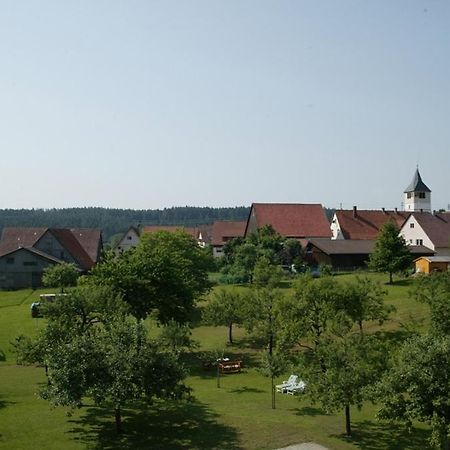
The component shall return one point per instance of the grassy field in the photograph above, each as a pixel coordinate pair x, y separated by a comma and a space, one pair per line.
237, 415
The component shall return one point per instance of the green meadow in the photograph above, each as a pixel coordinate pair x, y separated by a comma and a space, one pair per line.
236, 415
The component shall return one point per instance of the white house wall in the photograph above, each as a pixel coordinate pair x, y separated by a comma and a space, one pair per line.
336, 229
414, 234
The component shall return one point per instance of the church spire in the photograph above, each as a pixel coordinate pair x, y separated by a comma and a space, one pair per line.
417, 195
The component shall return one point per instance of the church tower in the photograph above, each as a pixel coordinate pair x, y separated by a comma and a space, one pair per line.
417, 195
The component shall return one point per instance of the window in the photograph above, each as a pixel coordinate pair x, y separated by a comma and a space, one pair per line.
129, 238
410, 241
10, 260
411, 225
421, 194
408, 195
419, 241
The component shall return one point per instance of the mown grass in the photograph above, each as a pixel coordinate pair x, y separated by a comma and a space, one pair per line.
236, 415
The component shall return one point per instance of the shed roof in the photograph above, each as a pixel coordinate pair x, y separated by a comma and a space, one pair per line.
437, 259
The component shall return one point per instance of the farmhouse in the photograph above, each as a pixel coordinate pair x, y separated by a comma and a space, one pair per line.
430, 230
132, 236
363, 224
291, 220
26, 252
224, 231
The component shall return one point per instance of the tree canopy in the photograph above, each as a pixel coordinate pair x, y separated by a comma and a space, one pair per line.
164, 274
390, 255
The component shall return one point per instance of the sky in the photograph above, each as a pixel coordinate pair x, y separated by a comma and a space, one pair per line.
148, 104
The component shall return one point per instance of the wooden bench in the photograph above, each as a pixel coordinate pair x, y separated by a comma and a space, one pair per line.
230, 367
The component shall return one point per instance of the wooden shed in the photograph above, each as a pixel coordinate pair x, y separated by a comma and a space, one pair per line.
428, 264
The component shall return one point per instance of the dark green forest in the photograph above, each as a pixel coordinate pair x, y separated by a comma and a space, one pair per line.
113, 221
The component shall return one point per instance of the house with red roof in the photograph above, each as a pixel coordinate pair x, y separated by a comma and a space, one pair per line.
223, 231
132, 237
26, 252
292, 220
428, 229
364, 224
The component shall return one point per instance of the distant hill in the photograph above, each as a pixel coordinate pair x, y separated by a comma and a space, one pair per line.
114, 221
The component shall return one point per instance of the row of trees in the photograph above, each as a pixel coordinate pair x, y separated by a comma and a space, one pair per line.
95, 343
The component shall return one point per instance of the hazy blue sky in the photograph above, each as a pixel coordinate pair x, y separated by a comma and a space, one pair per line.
147, 104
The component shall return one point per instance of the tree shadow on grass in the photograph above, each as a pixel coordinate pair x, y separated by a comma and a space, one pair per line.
246, 390
372, 435
159, 426
309, 411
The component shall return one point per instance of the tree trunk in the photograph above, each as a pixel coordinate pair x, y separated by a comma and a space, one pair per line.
390, 277
270, 344
230, 333
273, 394
348, 429
118, 418
360, 327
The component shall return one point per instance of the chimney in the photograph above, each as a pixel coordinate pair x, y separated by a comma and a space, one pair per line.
421, 210
354, 211
384, 211
395, 209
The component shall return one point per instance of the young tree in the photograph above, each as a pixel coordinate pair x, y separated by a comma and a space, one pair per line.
313, 313
60, 276
417, 386
364, 300
225, 309
272, 365
390, 255
260, 307
176, 337
341, 370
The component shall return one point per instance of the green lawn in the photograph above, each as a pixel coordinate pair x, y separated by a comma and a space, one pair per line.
237, 415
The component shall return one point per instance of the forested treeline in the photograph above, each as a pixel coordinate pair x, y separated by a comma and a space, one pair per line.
113, 221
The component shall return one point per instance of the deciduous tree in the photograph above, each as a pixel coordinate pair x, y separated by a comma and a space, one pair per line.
60, 276
390, 255
417, 386
225, 308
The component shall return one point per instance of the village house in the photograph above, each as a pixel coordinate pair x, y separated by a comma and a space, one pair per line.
132, 237
26, 252
292, 220
224, 231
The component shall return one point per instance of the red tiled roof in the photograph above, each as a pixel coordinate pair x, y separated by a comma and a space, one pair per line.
91, 241
294, 220
83, 244
437, 227
73, 246
13, 238
223, 231
366, 224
